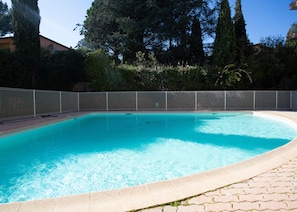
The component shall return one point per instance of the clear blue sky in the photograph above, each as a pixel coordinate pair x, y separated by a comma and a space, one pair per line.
263, 18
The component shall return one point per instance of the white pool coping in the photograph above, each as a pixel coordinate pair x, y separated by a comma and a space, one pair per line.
158, 193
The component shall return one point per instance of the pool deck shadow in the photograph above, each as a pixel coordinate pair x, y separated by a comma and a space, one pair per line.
267, 182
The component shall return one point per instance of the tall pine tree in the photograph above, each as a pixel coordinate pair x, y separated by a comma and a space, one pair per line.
224, 44
242, 42
26, 21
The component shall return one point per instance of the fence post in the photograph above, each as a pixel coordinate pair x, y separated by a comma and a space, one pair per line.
166, 101
136, 101
196, 100
34, 103
0, 101
60, 92
291, 100
276, 99
225, 100
106, 99
254, 100
78, 103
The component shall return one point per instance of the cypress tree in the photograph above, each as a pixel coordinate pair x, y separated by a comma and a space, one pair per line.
196, 45
26, 21
224, 44
240, 33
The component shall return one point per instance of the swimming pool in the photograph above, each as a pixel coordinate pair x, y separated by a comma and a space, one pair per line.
77, 159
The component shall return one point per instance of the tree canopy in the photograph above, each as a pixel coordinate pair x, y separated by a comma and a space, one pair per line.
173, 30
5, 19
291, 40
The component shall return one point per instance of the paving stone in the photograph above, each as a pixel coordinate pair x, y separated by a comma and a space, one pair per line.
256, 184
226, 198
275, 197
218, 207
250, 198
169, 209
158, 209
240, 185
201, 200
279, 190
246, 206
273, 205
293, 195
191, 208
292, 205
213, 193
256, 190
231, 191
265, 176
282, 184
282, 174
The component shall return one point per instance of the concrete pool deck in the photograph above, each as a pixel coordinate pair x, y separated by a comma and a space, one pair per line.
265, 183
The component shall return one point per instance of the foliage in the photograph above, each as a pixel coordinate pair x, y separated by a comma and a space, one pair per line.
5, 19
9, 74
242, 43
101, 71
83, 45
291, 40
60, 71
172, 30
163, 77
272, 41
26, 21
231, 75
224, 44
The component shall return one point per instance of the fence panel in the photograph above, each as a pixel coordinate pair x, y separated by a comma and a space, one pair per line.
47, 102
210, 100
283, 100
93, 101
184, 101
69, 101
239, 100
150, 101
122, 101
294, 100
265, 100
16, 103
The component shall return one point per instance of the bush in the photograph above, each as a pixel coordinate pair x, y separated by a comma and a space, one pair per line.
101, 72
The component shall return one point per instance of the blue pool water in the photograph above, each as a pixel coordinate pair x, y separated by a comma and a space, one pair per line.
106, 151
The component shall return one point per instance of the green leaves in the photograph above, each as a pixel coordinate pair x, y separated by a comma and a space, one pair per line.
5, 20
172, 29
231, 75
101, 71
224, 44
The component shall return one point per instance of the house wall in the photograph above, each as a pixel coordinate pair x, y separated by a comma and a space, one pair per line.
293, 5
54, 46
7, 43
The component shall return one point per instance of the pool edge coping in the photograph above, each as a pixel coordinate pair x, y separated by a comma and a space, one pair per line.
158, 193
